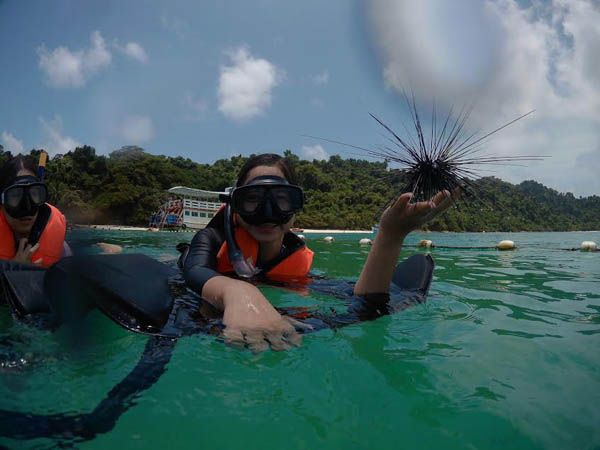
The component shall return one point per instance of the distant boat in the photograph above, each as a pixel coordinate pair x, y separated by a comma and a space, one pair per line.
194, 210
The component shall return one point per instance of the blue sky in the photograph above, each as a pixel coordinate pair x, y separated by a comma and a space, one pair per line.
207, 80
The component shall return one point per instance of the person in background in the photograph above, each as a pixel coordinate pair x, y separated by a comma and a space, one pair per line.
259, 213
31, 230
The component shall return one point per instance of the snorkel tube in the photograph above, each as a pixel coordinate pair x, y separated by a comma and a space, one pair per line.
244, 269
42, 165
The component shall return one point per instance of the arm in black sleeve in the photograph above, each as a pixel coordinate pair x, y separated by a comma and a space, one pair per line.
200, 263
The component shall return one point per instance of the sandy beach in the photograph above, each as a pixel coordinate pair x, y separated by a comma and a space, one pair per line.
334, 231
130, 228
112, 227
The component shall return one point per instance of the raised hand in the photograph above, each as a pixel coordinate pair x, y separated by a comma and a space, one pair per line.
403, 217
396, 222
25, 252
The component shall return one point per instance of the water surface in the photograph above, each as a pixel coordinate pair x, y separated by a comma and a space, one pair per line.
505, 354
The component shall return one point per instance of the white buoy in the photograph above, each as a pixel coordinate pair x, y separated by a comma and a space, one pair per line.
365, 241
506, 245
328, 239
301, 236
589, 246
426, 243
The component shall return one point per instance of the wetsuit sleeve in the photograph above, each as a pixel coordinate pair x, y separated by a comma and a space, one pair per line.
200, 263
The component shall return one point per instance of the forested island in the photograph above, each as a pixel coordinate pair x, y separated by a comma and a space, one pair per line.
128, 185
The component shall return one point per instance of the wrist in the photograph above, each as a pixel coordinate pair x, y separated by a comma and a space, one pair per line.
389, 237
237, 291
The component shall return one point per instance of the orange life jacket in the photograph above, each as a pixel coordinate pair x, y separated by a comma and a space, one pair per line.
51, 240
295, 265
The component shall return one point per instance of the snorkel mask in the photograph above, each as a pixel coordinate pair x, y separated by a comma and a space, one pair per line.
24, 197
265, 199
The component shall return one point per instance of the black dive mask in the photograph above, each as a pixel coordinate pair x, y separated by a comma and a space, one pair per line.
267, 199
24, 197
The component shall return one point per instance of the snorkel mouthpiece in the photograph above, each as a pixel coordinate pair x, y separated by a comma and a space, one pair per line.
243, 268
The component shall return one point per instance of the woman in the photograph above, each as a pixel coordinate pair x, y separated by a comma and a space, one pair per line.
31, 230
265, 201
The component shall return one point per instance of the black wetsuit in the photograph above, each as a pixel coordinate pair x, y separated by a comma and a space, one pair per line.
133, 290
199, 259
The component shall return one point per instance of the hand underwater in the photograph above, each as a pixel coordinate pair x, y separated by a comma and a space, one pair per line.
251, 320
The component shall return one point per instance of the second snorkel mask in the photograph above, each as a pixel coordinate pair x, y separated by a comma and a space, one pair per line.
27, 193
265, 199
24, 197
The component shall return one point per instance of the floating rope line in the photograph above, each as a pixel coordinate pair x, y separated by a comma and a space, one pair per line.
586, 246
574, 249
495, 247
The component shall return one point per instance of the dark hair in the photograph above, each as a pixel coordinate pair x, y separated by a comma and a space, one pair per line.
267, 159
9, 170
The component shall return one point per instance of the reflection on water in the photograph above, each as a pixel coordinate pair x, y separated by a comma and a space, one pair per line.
503, 355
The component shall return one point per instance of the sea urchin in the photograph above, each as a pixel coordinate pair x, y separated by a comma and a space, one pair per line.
444, 160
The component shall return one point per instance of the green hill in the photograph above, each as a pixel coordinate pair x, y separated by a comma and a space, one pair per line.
128, 185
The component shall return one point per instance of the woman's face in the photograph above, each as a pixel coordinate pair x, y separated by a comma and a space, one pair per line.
265, 232
21, 226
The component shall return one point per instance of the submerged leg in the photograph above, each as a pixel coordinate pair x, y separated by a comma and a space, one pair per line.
150, 367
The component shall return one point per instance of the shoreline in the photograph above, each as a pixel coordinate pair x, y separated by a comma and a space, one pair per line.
304, 231
310, 231
109, 227
132, 228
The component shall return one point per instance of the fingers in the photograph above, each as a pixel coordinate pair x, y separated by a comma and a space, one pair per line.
258, 346
33, 249
294, 338
255, 339
234, 337
277, 342
403, 200
38, 262
297, 324
285, 337
22, 244
282, 338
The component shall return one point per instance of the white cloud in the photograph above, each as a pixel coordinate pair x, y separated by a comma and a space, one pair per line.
507, 60
65, 68
137, 129
55, 141
245, 87
11, 143
311, 152
195, 109
134, 51
321, 77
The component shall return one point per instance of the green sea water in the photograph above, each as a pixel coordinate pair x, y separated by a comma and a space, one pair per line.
504, 354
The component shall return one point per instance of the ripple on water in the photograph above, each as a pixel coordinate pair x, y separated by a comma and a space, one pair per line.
506, 342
